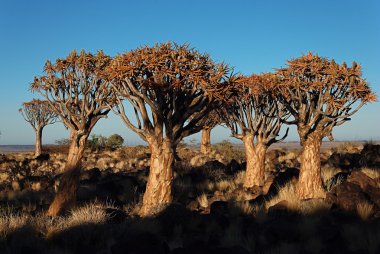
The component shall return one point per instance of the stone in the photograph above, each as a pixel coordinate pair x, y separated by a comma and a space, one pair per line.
361, 179
347, 195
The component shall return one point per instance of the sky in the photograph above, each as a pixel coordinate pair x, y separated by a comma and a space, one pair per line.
251, 36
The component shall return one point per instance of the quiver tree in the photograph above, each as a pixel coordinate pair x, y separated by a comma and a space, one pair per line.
39, 114
169, 88
211, 120
255, 116
320, 94
78, 93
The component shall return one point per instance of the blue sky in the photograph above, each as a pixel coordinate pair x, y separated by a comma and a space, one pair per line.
252, 36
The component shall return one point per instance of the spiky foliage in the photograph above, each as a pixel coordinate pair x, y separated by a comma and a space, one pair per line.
321, 94
76, 89
255, 109
38, 113
177, 84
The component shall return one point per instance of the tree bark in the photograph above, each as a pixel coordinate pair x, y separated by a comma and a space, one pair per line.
67, 190
255, 156
159, 186
38, 150
205, 142
310, 182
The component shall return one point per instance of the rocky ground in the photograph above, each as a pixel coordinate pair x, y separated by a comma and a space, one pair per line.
211, 211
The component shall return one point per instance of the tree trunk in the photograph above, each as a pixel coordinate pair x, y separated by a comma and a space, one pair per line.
255, 156
205, 142
67, 190
310, 182
38, 150
159, 186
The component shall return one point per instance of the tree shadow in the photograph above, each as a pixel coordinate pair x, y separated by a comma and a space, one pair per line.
179, 230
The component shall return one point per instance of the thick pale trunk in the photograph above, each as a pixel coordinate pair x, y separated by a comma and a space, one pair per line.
67, 190
38, 150
255, 156
159, 186
310, 182
205, 142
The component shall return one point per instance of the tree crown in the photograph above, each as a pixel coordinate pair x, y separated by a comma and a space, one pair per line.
38, 113
321, 94
177, 82
76, 88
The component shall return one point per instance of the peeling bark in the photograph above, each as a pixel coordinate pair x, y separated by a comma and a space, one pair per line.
38, 150
67, 191
205, 142
310, 182
159, 186
255, 156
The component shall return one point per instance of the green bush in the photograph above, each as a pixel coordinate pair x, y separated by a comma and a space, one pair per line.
97, 142
114, 141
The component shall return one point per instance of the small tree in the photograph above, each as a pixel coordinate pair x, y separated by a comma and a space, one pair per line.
320, 94
114, 141
39, 114
255, 116
77, 91
170, 88
208, 123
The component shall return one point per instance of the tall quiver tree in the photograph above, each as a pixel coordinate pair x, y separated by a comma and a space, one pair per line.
320, 94
39, 114
77, 91
255, 116
169, 88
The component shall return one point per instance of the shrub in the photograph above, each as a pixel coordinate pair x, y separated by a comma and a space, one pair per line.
227, 149
96, 142
114, 141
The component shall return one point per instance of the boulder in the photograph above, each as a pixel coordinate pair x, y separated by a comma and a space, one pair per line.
361, 179
346, 196
280, 208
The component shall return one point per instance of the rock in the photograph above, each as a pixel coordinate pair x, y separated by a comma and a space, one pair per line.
4, 176
345, 161
347, 195
119, 187
219, 208
280, 208
233, 167
16, 186
374, 194
361, 179
370, 155
43, 157
193, 205
92, 175
244, 194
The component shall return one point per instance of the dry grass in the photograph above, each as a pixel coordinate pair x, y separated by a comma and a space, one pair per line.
202, 200
225, 185
328, 171
290, 155
364, 210
239, 178
287, 193
92, 213
11, 221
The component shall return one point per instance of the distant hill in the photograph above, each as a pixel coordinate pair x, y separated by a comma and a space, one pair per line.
16, 148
